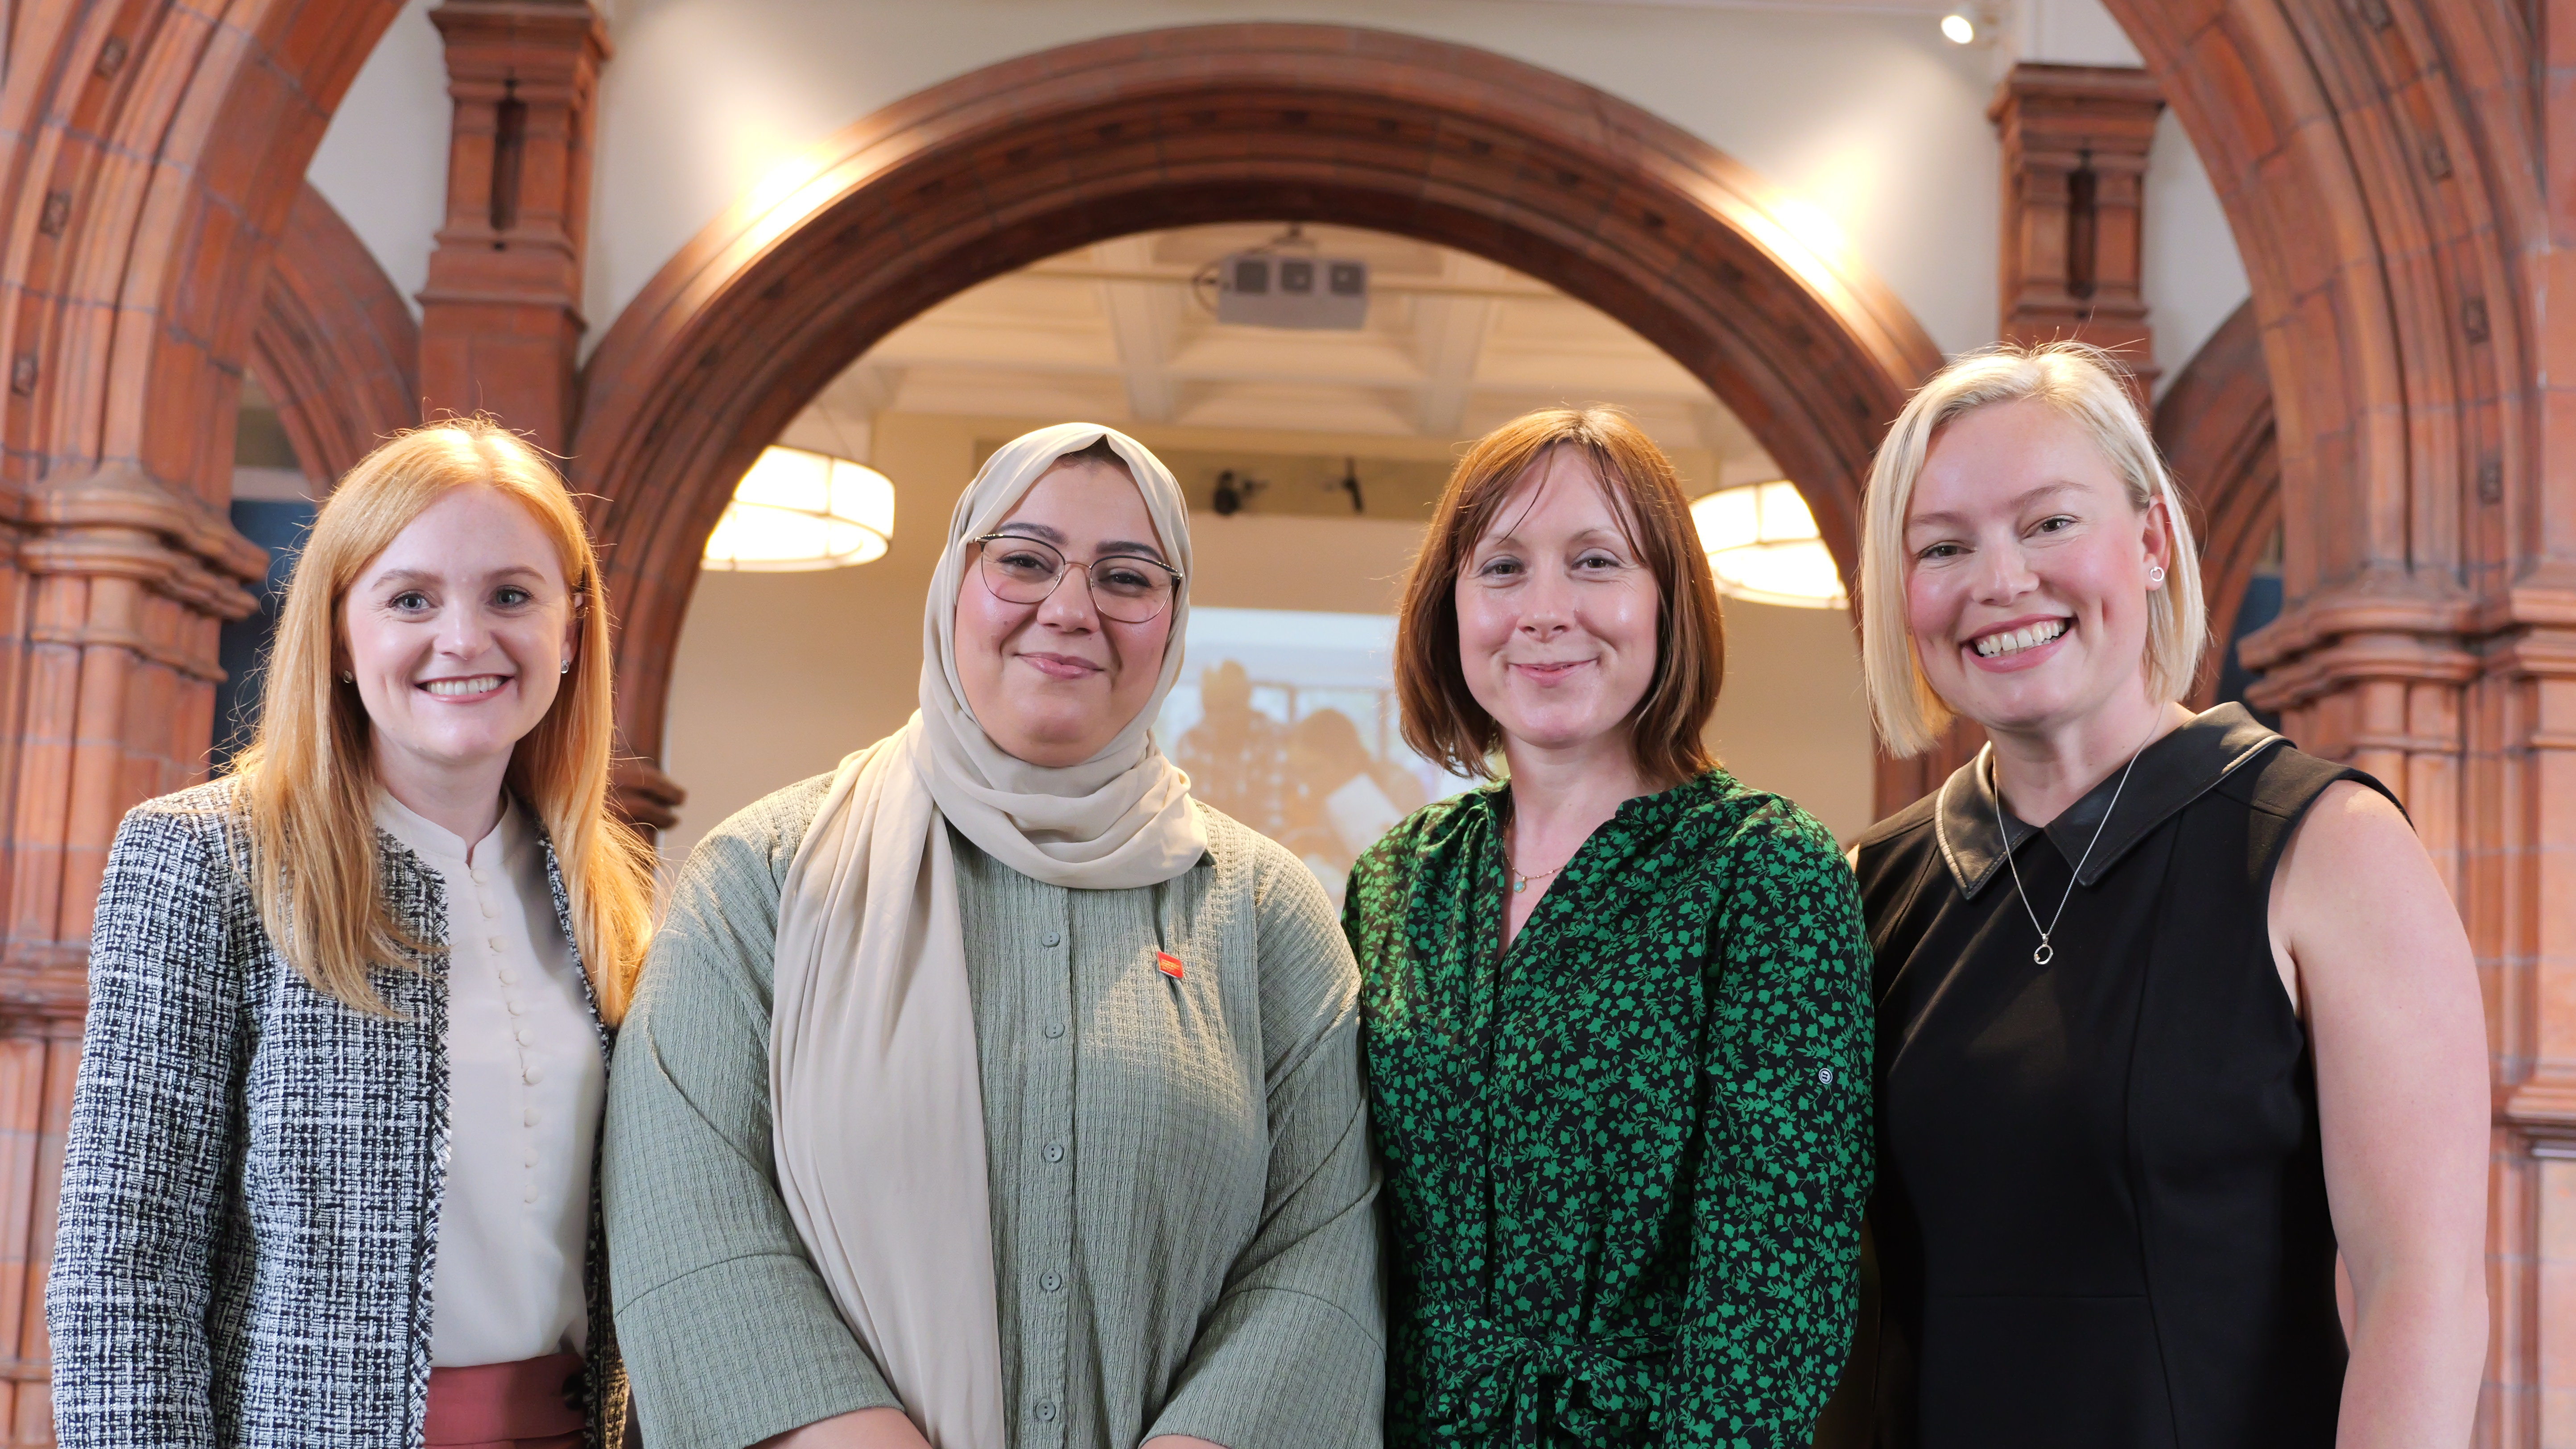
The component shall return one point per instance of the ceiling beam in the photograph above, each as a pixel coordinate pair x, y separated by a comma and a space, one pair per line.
1449, 337
1143, 317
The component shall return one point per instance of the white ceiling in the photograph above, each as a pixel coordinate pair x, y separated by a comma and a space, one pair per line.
1117, 333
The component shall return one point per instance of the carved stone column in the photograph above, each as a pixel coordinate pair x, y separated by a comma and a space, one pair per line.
2075, 141
501, 318
150, 154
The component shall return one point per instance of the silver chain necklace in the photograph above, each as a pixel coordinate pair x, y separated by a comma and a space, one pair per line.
2046, 952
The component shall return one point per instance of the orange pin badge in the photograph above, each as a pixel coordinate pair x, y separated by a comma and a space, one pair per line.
1168, 964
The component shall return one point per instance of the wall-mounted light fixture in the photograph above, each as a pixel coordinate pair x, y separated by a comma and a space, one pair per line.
797, 510
1959, 28
1763, 546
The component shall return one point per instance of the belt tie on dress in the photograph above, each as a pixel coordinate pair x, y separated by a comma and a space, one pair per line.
1602, 1388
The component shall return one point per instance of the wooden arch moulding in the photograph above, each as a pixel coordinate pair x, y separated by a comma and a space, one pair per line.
1032, 157
335, 346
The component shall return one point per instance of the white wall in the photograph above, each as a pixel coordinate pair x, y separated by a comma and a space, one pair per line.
383, 162
2191, 281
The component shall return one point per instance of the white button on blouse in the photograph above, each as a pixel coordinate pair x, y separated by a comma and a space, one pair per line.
524, 1093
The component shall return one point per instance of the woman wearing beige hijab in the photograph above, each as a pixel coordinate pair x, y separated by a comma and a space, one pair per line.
989, 1091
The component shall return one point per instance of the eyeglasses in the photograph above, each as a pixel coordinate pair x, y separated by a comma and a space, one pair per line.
1128, 589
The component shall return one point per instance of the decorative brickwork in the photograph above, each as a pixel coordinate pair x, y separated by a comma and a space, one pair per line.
2075, 141
336, 347
1016, 162
151, 153
501, 318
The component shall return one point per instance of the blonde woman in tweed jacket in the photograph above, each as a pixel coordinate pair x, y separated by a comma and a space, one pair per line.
990, 1092
350, 1009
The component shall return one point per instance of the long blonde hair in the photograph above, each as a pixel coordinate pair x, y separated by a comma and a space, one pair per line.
308, 783
2088, 387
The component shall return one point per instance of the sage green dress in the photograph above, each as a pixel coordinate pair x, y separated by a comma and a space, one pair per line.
1626, 1159
1183, 1234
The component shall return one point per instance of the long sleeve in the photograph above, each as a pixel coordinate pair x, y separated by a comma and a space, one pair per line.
152, 1131
1293, 1355
729, 1333
1786, 1170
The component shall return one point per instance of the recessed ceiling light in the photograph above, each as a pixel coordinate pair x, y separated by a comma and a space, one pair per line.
1763, 546
1958, 29
798, 510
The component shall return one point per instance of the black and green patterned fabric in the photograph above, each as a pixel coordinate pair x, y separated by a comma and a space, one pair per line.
1626, 1159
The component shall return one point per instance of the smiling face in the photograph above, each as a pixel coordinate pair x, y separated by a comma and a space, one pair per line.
1557, 612
457, 634
1054, 682
2028, 571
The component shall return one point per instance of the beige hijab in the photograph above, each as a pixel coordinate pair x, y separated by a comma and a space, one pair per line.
877, 1102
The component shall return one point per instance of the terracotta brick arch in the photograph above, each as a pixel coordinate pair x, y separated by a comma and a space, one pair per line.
1025, 159
150, 153
2394, 174
2380, 175
2215, 427
335, 344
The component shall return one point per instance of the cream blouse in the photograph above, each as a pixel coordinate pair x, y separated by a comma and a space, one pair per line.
525, 1089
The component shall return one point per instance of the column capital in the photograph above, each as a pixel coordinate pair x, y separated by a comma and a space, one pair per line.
501, 319
2075, 142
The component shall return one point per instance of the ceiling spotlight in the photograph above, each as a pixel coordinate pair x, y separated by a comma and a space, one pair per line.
1958, 29
1233, 490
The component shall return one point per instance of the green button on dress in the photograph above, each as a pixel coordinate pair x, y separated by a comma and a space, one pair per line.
1626, 1159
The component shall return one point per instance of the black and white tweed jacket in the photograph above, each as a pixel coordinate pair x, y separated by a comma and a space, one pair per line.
249, 1222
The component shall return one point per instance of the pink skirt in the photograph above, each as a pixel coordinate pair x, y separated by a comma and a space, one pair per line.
535, 1403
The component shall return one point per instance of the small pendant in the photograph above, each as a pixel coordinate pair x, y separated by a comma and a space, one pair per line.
1520, 885
2041, 956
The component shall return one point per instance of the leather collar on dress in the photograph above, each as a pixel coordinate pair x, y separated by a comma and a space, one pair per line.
2171, 773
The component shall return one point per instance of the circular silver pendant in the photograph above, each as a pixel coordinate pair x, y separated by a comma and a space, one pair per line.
2041, 956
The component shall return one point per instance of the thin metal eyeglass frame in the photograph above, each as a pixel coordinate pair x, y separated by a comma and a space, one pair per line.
983, 566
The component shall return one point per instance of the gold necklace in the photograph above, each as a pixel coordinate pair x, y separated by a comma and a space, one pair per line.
1521, 880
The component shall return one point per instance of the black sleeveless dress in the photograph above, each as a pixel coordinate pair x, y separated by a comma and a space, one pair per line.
2101, 1214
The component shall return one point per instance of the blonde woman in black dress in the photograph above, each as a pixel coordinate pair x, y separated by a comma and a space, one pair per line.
2168, 1011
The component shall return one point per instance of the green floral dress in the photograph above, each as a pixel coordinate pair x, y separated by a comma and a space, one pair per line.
1626, 1159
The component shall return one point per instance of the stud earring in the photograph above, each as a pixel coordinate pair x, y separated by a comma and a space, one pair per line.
566, 667
347, 678
2156, 575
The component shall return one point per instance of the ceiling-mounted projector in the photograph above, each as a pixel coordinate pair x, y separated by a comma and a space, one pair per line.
1291, 289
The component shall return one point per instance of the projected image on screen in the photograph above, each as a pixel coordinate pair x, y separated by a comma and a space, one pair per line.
1287, 722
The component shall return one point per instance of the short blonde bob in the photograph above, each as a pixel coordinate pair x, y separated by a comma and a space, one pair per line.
2088, 387
308, 780
1441, 719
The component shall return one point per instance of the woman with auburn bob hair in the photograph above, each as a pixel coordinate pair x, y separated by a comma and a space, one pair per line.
329, 1178
2168, 1011
1612, 1005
